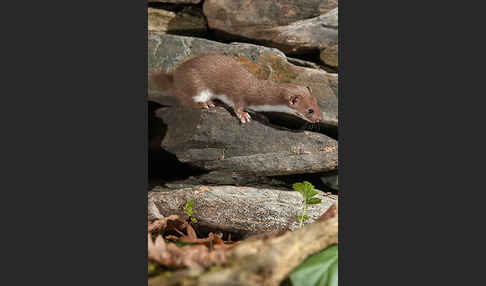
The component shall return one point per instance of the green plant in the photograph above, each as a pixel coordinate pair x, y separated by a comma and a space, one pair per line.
154, 269
188, 208
320, 269
307, 191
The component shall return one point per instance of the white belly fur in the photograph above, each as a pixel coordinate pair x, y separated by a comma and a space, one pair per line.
207, 95
274, 108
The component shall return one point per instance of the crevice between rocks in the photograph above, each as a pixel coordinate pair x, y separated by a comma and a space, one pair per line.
164, 166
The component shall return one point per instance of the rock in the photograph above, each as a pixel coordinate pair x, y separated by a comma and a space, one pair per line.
185, 22
176, 1
237, 209
295, 27
306, 36
266, 13
329, 56
302, 63
213, 140
331, 180
168, 51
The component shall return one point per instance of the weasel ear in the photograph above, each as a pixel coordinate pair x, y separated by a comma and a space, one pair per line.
309, 88
294, 99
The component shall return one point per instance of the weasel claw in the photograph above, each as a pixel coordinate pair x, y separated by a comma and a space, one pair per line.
244, 117
203, 105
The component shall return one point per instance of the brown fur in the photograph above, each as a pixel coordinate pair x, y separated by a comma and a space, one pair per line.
162, 80
223, 75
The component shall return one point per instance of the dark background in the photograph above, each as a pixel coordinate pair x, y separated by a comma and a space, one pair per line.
74, 142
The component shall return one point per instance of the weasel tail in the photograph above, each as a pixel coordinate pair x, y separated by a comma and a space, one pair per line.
162, 80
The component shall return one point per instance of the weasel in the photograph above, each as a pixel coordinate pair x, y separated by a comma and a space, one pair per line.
202, 79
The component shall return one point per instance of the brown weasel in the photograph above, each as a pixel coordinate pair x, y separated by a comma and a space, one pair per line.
200, 80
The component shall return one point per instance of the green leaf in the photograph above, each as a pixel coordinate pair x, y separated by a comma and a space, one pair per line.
194, 220
308, 189
320, 269
188, 207
305, 188
152, 268
189, 204
312, 193
308, 185
313, 201
299, 187
306, 217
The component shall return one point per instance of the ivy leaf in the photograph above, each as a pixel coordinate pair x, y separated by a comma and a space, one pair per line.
320, 269
313, 201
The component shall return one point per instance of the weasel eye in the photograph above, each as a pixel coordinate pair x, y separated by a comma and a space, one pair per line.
310, 111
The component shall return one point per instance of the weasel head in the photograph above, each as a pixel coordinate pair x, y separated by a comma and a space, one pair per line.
304, 104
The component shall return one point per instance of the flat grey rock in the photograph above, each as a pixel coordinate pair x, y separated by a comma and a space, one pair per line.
237, 209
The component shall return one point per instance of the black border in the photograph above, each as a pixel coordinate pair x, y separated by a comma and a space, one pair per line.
340, 141
74, 141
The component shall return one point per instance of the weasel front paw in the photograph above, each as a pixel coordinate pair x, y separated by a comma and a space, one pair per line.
244, 117
206, 104
203, 105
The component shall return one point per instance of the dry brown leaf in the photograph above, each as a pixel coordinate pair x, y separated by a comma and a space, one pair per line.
170, 222
218, 240
190, 239
193, 256
172, 237
191, 233
171, 256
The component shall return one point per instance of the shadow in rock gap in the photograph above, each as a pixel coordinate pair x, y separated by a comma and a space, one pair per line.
281, 120
164, 167
321, 181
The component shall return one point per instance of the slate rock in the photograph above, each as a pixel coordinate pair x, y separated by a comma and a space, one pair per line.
295, 27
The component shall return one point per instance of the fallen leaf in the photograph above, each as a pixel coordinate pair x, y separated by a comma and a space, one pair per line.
172, 237
169, 222
193, 256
